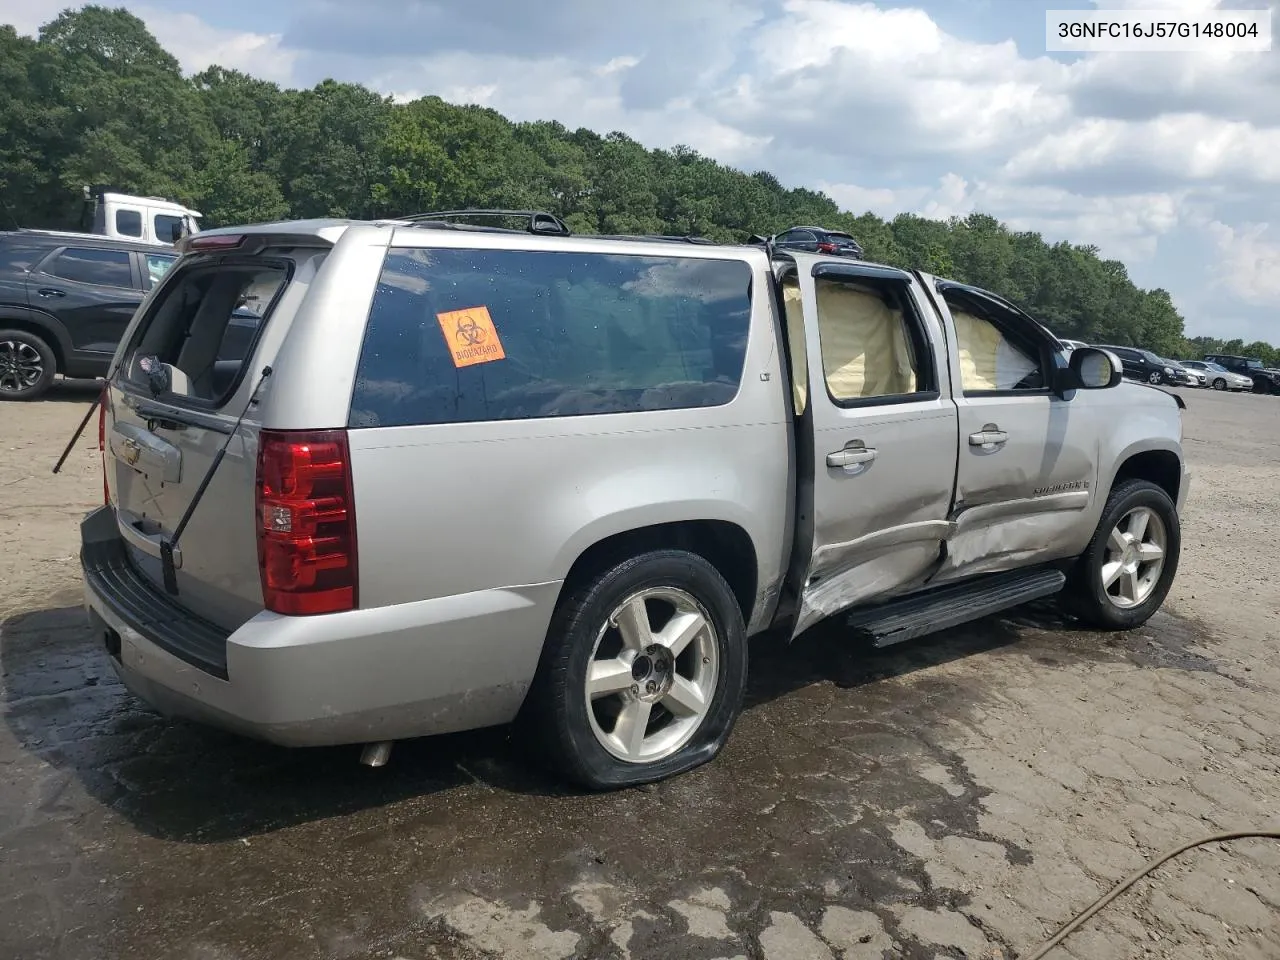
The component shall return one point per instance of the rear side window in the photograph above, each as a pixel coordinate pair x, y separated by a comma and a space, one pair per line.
129, 223
104, 268
467, 335
204, 326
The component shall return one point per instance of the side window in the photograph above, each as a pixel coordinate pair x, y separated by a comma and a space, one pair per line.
168, 227
873, 344
20, 256
129, 223
104, 268
993, 357
157, 266
460, 336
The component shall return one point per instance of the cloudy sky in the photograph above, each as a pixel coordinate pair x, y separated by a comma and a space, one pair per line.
1169, 162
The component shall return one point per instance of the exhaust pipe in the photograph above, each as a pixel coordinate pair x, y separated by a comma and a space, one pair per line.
376, 754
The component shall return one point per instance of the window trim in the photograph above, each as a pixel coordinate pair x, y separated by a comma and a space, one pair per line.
181, 270
47, 262
1020, 335
917, 334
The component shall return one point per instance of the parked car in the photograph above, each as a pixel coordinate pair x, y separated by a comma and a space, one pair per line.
1184, 376
65, 300
1263, 379
1144, 365
458, 491
818, 240
1219, 377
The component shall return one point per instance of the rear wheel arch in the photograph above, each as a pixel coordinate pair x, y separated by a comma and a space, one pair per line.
722, 543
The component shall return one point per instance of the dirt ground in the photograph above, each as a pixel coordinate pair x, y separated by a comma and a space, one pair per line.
960, 796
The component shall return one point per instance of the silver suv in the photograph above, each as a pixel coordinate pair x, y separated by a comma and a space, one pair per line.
453, 476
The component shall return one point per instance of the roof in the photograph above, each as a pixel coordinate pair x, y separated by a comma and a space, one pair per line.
56, 237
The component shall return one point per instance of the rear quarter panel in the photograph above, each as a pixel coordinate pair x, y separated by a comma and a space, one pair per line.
448, 509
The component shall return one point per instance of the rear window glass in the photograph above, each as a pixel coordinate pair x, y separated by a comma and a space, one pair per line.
467, 335
203, 326
104, 268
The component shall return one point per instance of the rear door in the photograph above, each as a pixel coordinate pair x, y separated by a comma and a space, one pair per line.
160, 443
1027, 465
94, 291
878, 434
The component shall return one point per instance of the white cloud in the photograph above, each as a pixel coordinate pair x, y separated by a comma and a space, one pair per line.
1250, 261
198, 45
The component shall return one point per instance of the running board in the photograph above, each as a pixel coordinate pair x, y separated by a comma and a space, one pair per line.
950, 606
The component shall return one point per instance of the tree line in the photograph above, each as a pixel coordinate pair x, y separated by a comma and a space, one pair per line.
95, 99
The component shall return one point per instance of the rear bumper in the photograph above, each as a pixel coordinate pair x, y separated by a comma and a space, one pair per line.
414, 669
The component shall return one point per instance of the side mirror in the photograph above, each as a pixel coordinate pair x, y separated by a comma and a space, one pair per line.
1094, 369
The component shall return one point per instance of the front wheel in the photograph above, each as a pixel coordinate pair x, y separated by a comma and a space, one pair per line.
1125, 573
1219, 384
643, 672
27, 365
1154, 377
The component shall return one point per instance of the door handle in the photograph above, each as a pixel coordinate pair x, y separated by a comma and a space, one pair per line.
50, 292
854, 453
989, 436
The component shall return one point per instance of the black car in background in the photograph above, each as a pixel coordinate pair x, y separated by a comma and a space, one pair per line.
65, 300
1144, 365
818, 240
1265, 380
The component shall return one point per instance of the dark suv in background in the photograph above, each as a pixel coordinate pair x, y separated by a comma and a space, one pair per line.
65, 300
1265, 380
819, 240
1142, 364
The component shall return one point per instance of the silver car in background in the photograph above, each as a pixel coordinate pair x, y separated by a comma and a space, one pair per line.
1216, 376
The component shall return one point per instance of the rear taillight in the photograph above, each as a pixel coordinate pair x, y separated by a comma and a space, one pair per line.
306, 522
102, 442
826, 248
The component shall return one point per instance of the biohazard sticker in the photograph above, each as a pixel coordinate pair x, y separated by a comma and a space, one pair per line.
471, 336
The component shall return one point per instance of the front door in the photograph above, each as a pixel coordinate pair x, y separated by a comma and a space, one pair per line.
93, 291
877, 432
1027, 467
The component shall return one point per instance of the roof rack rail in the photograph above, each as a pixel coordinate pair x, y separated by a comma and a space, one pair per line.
539, 221
652, 237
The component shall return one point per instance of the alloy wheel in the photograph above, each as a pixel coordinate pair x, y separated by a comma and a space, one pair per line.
1134, 557
652, 674
21, 366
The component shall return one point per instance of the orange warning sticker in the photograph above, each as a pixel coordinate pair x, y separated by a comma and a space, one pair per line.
471, 336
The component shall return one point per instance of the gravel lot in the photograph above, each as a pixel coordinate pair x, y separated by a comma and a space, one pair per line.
960, 796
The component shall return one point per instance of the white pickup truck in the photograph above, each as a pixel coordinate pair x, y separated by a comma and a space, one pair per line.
458, 476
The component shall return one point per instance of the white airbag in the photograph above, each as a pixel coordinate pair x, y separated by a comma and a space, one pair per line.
865, 350
987, 360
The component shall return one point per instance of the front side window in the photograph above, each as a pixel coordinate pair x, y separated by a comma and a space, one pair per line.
168, 228
992, 356
129, 223
870, 339
104, 268
473, 335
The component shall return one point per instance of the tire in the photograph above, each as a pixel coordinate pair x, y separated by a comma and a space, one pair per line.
572, 731
1260, 386
1219, 384
1154, 378
1086, 595
27, 365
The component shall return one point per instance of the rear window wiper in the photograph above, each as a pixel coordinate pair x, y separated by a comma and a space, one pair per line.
169, 545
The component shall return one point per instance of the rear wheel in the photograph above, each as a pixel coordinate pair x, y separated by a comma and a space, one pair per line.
27, 365
643, 672
1219, 384
1125, 573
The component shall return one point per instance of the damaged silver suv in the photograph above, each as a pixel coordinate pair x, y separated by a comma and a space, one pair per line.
374, 480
